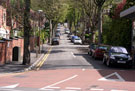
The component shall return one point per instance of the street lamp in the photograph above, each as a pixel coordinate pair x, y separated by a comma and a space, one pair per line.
39, 11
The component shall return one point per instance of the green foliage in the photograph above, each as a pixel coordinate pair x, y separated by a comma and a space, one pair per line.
44, 35
117, 32
129, 4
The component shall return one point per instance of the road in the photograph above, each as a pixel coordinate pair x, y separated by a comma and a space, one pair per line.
68, 67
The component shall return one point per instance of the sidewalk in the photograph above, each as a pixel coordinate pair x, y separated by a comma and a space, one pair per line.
18, 67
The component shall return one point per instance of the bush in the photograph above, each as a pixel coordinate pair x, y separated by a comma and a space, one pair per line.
118, 33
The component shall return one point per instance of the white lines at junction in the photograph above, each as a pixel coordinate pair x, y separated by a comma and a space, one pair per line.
50, 86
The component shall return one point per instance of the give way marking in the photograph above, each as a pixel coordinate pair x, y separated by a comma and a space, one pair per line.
108, 77
51, 86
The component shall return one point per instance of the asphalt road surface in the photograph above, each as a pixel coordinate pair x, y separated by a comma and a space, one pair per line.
68, 67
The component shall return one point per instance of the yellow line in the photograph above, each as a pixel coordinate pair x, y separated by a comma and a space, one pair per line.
43, 60
40, 62
38, 66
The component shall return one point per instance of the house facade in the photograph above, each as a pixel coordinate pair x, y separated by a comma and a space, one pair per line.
4, 31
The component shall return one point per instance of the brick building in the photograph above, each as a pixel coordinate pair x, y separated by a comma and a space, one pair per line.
10, 49
4, 31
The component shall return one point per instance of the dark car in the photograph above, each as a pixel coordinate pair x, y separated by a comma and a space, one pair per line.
57, 34
69, 34
92, 49
55, 41
117, 55
99, 51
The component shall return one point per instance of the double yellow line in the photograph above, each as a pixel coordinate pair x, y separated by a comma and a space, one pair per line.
38, 66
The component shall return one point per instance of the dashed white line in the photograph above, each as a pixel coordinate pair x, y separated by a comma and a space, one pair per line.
119, 90
96, 89
73, 88
67, 90
54, 87
49, 89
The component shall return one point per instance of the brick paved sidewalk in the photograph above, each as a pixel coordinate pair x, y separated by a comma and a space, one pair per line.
18, 67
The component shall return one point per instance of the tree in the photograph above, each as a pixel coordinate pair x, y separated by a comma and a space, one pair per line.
89, 16
27, 29
99, 4
54, 11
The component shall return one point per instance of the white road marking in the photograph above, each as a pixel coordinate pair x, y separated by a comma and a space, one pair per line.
96, 89
83, 69
67, 90
54, 87
119, 90
58, 82
73, 88
49, 89
106, 78
73, 54
10, 86
9, 90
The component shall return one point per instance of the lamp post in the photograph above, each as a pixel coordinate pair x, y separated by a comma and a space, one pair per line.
39, 11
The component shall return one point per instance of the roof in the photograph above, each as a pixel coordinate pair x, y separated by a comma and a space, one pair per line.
128, 12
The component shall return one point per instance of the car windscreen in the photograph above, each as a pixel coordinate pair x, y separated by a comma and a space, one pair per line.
55, 39
119, 50
102, 47
77, 39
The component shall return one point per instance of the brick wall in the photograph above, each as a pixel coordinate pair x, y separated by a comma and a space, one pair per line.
6, 49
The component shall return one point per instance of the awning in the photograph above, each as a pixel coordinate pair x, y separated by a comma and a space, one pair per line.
130, 12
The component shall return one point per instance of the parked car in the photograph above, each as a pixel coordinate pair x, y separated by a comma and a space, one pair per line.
77, 40
55, 41
99, 51
58, 30
70, 37
92, 49
67, 31
57, 34
69, 34
73, 37
117, 55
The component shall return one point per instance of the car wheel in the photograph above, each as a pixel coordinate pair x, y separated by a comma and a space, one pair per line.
108, 63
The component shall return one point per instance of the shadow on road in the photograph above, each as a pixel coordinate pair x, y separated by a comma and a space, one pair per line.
125, 73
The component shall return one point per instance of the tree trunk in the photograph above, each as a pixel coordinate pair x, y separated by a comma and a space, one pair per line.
99, 25
50, 40
83, 33
27, 29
